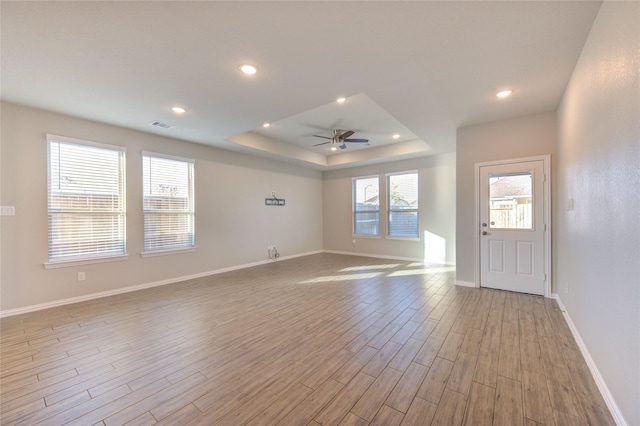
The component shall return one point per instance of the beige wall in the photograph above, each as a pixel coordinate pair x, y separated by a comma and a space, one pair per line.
436, 186
516, 138
598, 242
233, 226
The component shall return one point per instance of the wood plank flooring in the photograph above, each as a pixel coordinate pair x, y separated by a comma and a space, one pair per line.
317, 340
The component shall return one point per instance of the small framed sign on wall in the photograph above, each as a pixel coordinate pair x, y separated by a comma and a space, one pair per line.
274, 201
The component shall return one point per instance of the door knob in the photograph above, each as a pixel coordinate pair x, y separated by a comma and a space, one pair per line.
484, 232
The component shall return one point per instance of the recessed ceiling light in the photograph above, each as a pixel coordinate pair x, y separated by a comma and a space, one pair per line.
266, 125
504, 93
341, 100
396, 136
248, 69
333, 148
177, 109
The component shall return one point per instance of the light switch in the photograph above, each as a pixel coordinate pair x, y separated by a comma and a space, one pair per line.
570, 204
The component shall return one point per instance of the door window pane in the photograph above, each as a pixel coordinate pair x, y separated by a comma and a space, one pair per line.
511, 201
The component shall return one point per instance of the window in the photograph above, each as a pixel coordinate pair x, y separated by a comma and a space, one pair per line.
510, 197
366, 206
86, 202
168, 203
402, 205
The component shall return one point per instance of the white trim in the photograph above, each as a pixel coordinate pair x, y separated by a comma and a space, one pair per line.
466, 284
65, 139
595, 373
396, 237
546, 161
377, 256
407, 172
86, 261
168, 252
56, 303
167, 157
367, 236
366, 177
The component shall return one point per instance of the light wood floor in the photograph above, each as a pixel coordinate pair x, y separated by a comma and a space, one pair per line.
323, 339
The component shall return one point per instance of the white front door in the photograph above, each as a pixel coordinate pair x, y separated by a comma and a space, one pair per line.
512, 229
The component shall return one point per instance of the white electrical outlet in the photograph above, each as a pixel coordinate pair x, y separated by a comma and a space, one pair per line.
81, 276
7, 210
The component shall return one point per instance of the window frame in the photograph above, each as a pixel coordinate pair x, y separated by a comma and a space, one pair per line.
390, 210
75, 260
355, 211
191, 211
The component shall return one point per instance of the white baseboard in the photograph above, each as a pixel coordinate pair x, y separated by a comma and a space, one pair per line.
466, 283
597, 377
84, 298
381, 256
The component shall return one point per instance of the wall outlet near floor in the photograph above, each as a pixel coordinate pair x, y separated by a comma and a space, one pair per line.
81, 276
353, 242
7, 210
271, 247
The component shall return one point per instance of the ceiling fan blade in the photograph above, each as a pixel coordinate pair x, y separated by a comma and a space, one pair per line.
356, 140
323, 143
323, 137
346, 134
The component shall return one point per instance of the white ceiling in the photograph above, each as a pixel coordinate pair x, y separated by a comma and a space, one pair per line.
419, 69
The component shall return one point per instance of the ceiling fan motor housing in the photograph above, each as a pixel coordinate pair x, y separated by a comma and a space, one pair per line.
340, 137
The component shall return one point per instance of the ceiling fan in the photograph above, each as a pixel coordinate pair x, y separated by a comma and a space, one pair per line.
340, 137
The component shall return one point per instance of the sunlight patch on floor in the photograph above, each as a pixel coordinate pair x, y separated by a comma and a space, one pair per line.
349, 277
423, 271
369, 267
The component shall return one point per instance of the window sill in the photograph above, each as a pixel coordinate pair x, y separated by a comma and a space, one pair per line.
167, 252
367, 236
394, 237
87, 261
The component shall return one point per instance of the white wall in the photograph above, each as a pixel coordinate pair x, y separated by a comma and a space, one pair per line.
233, 226
436, 186
516, 138
598, 243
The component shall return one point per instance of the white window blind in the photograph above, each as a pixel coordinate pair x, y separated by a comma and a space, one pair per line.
168, 203
402, 205
86, 200
366, 206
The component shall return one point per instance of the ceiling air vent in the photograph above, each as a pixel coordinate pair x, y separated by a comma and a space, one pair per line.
160, 124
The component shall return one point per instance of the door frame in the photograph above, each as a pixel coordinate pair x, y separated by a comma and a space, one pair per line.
546, 160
